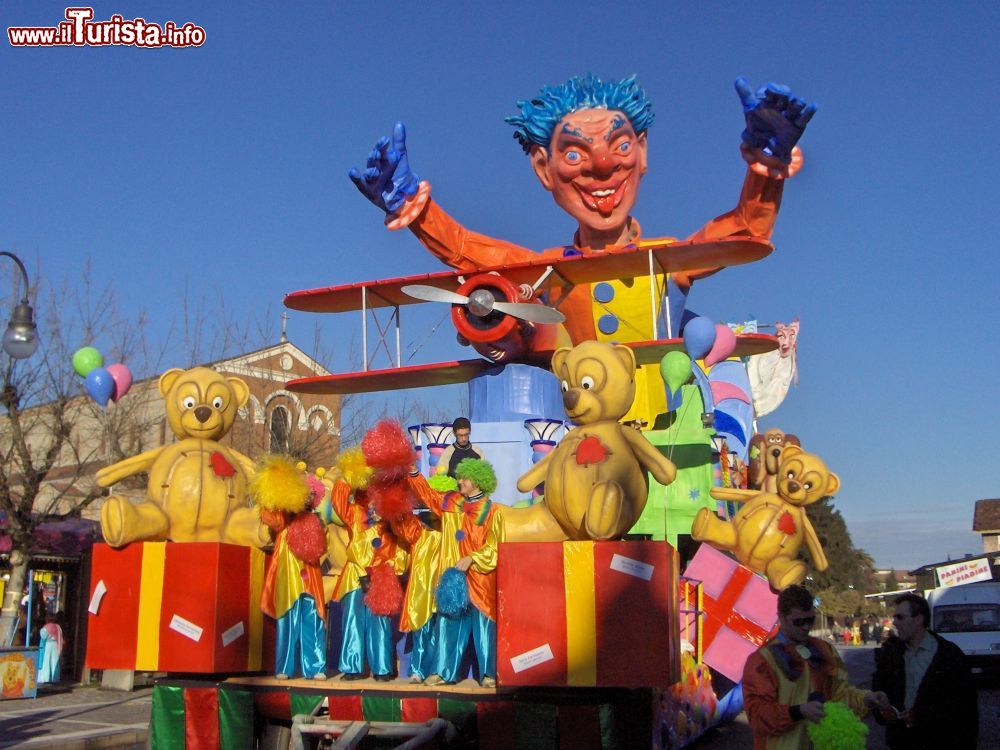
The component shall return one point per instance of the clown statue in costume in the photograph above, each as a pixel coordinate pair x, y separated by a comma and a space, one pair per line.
293, 586
587, 143
418, 616
472, 531
367, 636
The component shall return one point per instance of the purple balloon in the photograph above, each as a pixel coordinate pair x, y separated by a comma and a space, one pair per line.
699, 335
100, 385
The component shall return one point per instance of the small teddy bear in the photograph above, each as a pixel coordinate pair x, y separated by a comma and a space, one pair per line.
197, 489
765, 456
595, 478
767, 533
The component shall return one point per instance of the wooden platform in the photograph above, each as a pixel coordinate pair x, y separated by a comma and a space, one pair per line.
400, 687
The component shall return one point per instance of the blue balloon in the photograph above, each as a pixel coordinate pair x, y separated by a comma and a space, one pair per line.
699, 335
100, 385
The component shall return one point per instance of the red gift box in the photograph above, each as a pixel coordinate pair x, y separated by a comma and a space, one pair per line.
600, 614
738, 612
176, 607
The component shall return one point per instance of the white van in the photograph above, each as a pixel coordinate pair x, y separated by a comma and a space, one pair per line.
969, 617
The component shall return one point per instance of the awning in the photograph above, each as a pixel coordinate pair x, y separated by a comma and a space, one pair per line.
67, 538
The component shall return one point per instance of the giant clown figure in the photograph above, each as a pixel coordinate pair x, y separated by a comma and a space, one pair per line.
587, 143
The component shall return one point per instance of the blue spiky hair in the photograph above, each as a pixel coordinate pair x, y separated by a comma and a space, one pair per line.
539, 116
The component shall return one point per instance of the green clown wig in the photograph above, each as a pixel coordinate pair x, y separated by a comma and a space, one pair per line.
479, 472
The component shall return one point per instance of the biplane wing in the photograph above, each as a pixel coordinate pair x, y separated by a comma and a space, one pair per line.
461, 371
393, 378
626, 262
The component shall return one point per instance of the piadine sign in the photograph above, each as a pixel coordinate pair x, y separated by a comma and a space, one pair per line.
969, 571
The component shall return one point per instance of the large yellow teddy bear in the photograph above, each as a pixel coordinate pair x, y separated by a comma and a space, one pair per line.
595, 478
769, 530
197, 490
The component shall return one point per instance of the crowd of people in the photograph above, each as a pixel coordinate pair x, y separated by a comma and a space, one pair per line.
860, 631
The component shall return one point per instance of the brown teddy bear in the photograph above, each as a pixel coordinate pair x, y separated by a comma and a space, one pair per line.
595, 478
197, 490
767, 533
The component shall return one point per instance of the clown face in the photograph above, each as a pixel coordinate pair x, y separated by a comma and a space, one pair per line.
592, 168
787, 335
467, 487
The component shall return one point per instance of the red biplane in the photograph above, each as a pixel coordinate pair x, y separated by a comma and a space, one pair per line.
501, 313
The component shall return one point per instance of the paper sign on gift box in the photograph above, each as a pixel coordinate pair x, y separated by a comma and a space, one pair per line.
740, 610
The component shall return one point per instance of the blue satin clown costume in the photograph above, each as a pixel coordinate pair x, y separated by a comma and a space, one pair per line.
474, 528
418, 616
367, 637
293, 595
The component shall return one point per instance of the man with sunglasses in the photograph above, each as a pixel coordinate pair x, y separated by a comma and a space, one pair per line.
787, 680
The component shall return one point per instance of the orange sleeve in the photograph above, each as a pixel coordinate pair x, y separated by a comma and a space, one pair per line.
760, 699
755, 212
428, 496
270, 579
340, 498
755, 215
407, 528
275, 520
459, 248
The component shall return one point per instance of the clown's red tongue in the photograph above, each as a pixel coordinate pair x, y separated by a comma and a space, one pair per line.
606, 203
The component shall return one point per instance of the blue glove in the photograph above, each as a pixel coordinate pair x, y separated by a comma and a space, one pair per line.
388, 181
775, 118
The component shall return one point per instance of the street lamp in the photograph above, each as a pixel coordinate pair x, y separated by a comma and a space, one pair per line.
20, 340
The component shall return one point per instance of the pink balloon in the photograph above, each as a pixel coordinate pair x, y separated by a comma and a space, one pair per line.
725, 345
123, 380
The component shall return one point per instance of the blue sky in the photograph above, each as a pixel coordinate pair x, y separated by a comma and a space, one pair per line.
222, 169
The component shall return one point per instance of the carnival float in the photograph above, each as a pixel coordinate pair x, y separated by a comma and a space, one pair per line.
555, 595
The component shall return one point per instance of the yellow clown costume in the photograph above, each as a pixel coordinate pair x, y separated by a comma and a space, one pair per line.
367, 637
293, 595
470, 527
781, 674
418, 616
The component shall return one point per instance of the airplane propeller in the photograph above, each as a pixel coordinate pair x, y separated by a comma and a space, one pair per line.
482, 302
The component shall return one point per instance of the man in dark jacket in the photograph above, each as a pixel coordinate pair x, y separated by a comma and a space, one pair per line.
934, 702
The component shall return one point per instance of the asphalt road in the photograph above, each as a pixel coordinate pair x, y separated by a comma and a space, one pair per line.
76, 718
860, 665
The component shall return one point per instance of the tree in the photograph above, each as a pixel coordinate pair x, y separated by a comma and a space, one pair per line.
842, 586
839, 604
850, 567
52, 437
891, 584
